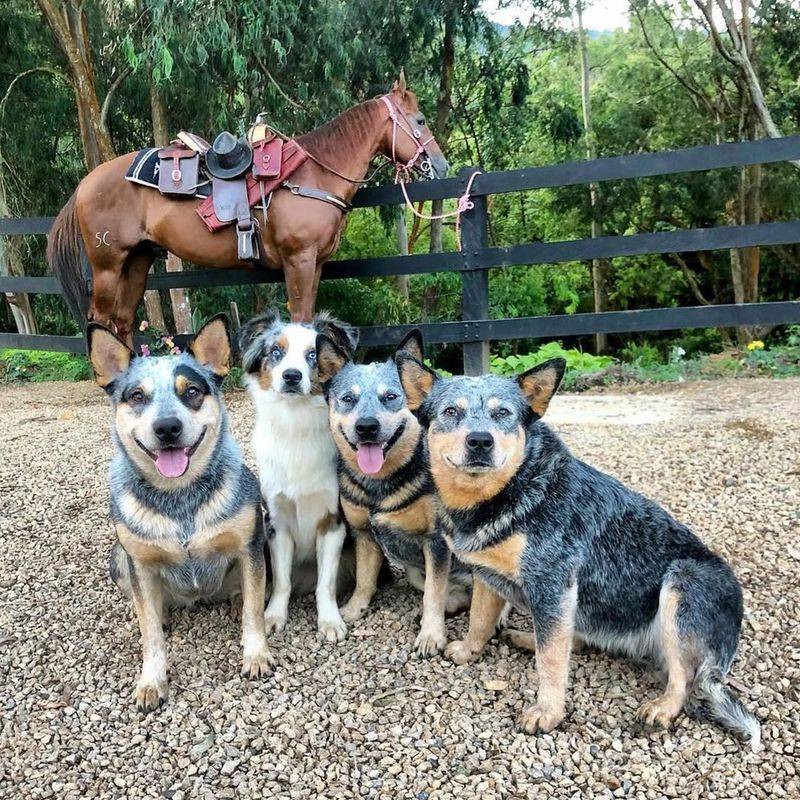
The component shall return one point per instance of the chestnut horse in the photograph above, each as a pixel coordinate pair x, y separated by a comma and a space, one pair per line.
123, 226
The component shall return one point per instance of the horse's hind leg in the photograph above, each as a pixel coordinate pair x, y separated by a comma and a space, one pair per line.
106, 276
130, 292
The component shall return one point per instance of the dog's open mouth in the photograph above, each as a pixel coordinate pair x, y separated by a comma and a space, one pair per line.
371, 456
172, 462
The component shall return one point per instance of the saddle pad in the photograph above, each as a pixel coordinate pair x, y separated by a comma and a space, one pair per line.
292, 156
145, 171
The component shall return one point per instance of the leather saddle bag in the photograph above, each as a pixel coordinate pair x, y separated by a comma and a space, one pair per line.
178, 170
267, 157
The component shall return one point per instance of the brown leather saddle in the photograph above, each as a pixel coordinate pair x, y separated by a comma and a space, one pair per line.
243, 172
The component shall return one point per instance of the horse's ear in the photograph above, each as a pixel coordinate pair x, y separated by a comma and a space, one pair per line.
400, 83
249, 332
539, 384
108, 354
330, 358
417, 379
211, 347
412, 343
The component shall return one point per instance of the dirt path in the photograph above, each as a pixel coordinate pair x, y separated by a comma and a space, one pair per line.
367, 718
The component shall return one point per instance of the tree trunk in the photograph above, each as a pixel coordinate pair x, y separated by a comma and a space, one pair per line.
442, 121
67, 21
599, 266
181, 308
11, 266
402, 281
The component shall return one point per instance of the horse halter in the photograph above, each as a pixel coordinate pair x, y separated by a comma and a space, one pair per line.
415, 134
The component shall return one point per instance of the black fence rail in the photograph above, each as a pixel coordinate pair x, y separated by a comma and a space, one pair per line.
476, 330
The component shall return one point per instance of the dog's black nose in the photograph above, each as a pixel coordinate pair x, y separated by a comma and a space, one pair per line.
291, 377
367, 428
480, 442
168, 429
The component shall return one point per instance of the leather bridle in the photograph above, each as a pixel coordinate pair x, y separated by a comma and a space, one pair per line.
400, 121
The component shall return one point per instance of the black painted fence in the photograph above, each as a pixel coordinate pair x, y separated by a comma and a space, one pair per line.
476, 329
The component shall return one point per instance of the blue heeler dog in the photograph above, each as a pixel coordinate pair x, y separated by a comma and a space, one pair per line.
186, 509
385, 487
586, 555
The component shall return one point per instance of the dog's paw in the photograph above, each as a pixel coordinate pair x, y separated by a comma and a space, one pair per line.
150, 693
332, 630
537, 719
274, 623
354, 609
460, 652
430, 642
522, 640
258, 664
660, 712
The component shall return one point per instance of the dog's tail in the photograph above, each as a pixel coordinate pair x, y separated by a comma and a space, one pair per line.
723, 706
64, 259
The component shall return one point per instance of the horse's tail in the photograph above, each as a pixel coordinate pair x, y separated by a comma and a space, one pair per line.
64, 257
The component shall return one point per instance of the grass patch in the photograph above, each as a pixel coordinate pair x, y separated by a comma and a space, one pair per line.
38, 365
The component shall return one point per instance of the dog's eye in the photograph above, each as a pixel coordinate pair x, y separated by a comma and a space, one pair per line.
136, 396
311, 357
450, 411
193, 392
390, 396
502, 412
275, 353
347, 399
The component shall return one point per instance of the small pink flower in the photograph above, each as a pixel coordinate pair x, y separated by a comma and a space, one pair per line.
144, 325
168, 341
145, 350
176, 351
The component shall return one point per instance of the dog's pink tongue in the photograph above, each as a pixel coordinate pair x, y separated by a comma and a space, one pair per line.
172, 463
370, 458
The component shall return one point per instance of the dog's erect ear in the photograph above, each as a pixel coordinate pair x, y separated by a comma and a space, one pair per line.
344, 334
211, 347
330, 357
416, 378
108, 354
249, 332
539, 383
412, 344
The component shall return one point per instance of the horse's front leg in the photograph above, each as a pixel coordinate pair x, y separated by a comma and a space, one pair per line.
302, 273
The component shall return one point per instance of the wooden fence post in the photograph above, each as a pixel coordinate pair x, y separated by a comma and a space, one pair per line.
474, 279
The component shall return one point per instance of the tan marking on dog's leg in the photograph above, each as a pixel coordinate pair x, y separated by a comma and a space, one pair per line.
369, 558
484, 612
522, 640
257, 661
432, 636
663, 710
552, 667
151, 688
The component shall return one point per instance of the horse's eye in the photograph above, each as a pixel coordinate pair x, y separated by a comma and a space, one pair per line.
450, 411
390, 396
421, 121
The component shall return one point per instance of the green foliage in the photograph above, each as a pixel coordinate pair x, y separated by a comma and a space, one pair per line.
641, 354
577, 361
37, 366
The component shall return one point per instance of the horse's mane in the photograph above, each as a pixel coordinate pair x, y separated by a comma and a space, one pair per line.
355, 124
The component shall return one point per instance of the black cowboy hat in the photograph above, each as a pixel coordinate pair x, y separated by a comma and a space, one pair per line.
228, 157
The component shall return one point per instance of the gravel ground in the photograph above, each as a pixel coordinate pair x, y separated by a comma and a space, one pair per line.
367, 718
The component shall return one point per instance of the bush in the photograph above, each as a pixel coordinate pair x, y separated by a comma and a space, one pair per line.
37, 366
577, 360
